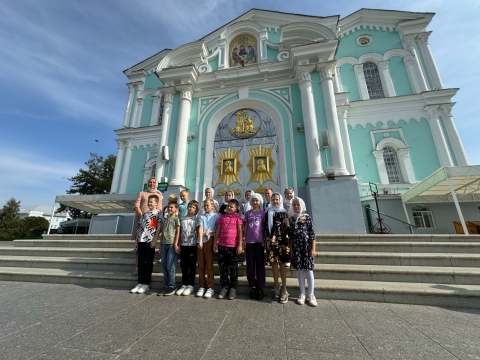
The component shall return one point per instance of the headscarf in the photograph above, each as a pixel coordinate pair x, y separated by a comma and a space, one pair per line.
288, 203
225, 201
273, 209
153, 191
258, 197
213, 192
303, 210
247, 205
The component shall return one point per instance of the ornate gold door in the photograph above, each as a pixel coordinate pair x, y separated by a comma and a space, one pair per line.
245, 154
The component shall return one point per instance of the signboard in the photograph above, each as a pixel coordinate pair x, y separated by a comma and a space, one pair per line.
373, 188
162, 186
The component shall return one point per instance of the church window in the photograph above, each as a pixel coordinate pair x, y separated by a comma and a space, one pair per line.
391, 165
160, 112
422, 216
372, 78
153, 171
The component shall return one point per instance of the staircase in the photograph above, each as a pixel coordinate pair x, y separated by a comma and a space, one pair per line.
442, 270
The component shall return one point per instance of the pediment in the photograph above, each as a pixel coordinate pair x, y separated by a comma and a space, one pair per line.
189, 54
299, 33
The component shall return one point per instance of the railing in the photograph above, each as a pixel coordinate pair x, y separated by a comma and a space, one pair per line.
381, 228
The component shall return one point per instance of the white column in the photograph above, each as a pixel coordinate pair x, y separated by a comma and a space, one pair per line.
310, 123
406, 165
263, 46
334, 136
361, 83
167, 114
138, 87
438, 136
137, 114
409, 65
409, 44
222, 50
386, 78
429, 60
452, 132
155, 109
382, 170
337, 85
126, 165
457, 206
131, 91
118, 166
180, 155
347, 150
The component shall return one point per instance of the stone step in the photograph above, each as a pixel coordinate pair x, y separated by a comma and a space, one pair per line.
119, 244
414, 274
399, 247
99, 237
397, 238
67, 252
462, 296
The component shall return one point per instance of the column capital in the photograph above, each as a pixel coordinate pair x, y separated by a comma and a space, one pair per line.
128, 143
358, 68
447, 108
378, 154
409, 40
383, 65
185, 92
404, 152
168, 93
304, 76
121, 143
432, 112
342, 112
409, 60
326, 74
423, 37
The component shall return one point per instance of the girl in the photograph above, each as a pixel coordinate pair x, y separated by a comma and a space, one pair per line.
289, 195
253, 233
229, 195
302, 236
278, 249
209, 195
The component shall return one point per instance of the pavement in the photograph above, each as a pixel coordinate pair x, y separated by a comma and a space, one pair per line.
50, 321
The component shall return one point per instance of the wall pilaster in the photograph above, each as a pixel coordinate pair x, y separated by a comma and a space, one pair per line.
452, 133
128, 145
438, 136
168, 94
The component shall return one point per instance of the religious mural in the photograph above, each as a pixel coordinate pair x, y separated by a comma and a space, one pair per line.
243, 50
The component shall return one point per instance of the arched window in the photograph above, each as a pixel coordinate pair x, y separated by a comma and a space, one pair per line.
391, 165
422, 216
160, 112
372, 78
153, 171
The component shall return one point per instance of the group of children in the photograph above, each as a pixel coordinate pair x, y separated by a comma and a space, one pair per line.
275, 229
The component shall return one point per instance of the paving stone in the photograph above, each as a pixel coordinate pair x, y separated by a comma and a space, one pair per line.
59, 353
405, 349
309, 355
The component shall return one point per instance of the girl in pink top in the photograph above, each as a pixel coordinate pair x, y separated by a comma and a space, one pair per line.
228, 236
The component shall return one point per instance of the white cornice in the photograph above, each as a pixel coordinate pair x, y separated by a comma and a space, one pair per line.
147, 65
139, 132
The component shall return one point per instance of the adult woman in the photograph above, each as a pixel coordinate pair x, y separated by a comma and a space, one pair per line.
289, 195
141, 206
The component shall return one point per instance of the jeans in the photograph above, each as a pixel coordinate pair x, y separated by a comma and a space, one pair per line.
169, 263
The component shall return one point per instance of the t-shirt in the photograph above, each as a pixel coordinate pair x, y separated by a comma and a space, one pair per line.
254, 222
228, 232
208, 221
188, 235
148, 225
183, 209
169, 226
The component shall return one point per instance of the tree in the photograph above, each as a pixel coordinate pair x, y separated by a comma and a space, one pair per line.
34, 225
9, 214
96, 179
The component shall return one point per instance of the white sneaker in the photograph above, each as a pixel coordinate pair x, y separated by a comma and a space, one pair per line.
181, 290
200, 292
208, 294
188, 290
312, 301
287, 265
301, 299
142, 289
245, 263
136, 288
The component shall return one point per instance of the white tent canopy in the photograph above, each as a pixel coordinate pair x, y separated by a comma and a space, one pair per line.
100, 204
447, 184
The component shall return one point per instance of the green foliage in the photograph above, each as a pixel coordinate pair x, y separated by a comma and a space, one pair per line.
34, 225
9, 215
12, 226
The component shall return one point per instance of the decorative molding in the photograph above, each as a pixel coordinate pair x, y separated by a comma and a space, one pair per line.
358, 68
283, 55
447, 109
409, 60
168, 97
128, 143
403, 152
378, 154
432, 113
304, 76
383, 65
282, 93
186, 94
364, 40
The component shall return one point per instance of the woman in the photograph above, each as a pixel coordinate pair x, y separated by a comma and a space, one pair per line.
141, 206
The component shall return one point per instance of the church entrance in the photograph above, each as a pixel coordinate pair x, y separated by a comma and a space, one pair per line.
245, 154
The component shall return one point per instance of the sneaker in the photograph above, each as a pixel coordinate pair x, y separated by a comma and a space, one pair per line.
188, 290
301, 299
143, 289
312, 301
162, 291
170, 291
200, 292
208, 294
223, 293
245, 263
136, 288
259, 295
135, 273
276, 294
233, 294
253, 293
284, 297
287, 265
181, 290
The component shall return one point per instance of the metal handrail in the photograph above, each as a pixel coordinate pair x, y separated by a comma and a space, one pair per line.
407, 226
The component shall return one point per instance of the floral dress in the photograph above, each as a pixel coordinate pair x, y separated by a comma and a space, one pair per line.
278, 248
302, 235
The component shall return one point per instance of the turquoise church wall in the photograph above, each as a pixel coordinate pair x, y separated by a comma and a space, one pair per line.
192, 148
362, 147
147, 111
398, 72
382, 41
152, 82
213, 63
272, 54
273, 35
349, 82
135, 175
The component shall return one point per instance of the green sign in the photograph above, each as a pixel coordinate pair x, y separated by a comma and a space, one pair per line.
145, 187
162, 186
373, 187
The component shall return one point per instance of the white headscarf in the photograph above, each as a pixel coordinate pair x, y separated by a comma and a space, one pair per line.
213, 192
295, 215
288, 203
273, 209
225, 201
247, 205
258, 197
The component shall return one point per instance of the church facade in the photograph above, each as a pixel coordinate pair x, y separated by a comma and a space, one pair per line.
275, 100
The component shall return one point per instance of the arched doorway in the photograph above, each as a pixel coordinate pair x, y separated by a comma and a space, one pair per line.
245, 153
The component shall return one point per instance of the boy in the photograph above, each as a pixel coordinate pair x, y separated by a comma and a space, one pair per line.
229, 238
206, 228
188, 249
169, 249
145, 242
268, 199
182, 207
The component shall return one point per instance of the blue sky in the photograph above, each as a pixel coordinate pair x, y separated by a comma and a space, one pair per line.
62, 85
